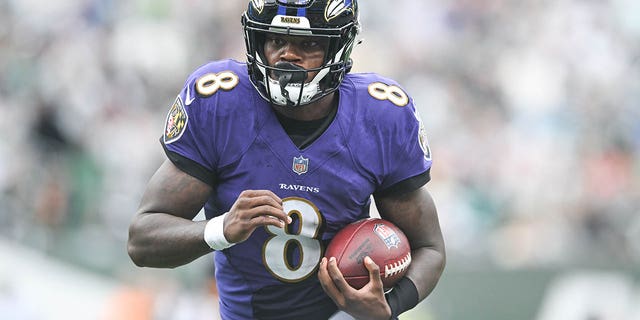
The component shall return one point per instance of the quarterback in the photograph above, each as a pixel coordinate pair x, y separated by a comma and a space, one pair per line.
282, 151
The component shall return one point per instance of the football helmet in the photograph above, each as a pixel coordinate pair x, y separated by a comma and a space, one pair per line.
336, 21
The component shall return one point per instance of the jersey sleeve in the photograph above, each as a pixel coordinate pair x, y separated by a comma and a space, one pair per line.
187, 137
397, 155
409, 163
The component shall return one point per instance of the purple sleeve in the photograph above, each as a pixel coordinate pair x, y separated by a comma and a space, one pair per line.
408, 153
187, 137
396, 150
208, 121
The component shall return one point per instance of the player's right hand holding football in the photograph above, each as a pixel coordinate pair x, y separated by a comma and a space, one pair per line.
366, 303
252, 209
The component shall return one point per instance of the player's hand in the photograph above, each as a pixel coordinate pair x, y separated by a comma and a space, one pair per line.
366, 303
252, 209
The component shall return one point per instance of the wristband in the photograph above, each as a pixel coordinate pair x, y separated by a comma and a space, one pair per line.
214, 234
403, 297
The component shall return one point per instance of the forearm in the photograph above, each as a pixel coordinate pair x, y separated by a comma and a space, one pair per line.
426, 268
421, 279
165, 241
415, 213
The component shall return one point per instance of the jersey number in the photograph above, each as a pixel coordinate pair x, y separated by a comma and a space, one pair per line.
392, 93
210, 83
275, 253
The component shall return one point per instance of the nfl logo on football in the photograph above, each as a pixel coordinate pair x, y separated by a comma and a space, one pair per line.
388, 236
300, 165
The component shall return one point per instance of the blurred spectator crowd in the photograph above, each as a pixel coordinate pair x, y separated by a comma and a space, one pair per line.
532, 110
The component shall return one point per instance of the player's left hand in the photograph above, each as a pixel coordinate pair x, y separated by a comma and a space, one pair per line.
366, 303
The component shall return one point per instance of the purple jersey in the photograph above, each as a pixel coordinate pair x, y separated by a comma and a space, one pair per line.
221, 125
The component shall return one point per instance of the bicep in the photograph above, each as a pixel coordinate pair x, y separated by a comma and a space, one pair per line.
172, 191
416, 214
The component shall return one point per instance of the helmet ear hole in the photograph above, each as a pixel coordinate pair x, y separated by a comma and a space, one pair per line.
334, 22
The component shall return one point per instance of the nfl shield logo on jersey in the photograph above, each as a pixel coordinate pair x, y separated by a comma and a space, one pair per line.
300, 165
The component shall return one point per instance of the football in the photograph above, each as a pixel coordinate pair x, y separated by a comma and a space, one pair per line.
379, 239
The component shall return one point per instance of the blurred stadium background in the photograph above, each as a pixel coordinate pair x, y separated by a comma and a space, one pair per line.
532, 110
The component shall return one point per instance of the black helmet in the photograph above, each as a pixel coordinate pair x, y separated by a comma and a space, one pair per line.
334, 20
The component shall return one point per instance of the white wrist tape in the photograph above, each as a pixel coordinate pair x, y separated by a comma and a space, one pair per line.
214, 234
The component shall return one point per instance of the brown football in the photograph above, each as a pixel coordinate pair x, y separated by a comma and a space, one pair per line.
379, 239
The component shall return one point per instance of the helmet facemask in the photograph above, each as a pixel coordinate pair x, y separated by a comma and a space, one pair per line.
285, 83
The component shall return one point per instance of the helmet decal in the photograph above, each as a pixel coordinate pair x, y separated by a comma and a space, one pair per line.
335, 8
290, 21
258, 5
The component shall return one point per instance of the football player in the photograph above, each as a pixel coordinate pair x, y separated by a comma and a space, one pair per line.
283, 151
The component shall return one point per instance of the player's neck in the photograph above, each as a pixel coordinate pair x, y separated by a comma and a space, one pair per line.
313, 111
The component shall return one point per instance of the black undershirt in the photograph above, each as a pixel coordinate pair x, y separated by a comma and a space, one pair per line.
303, 133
